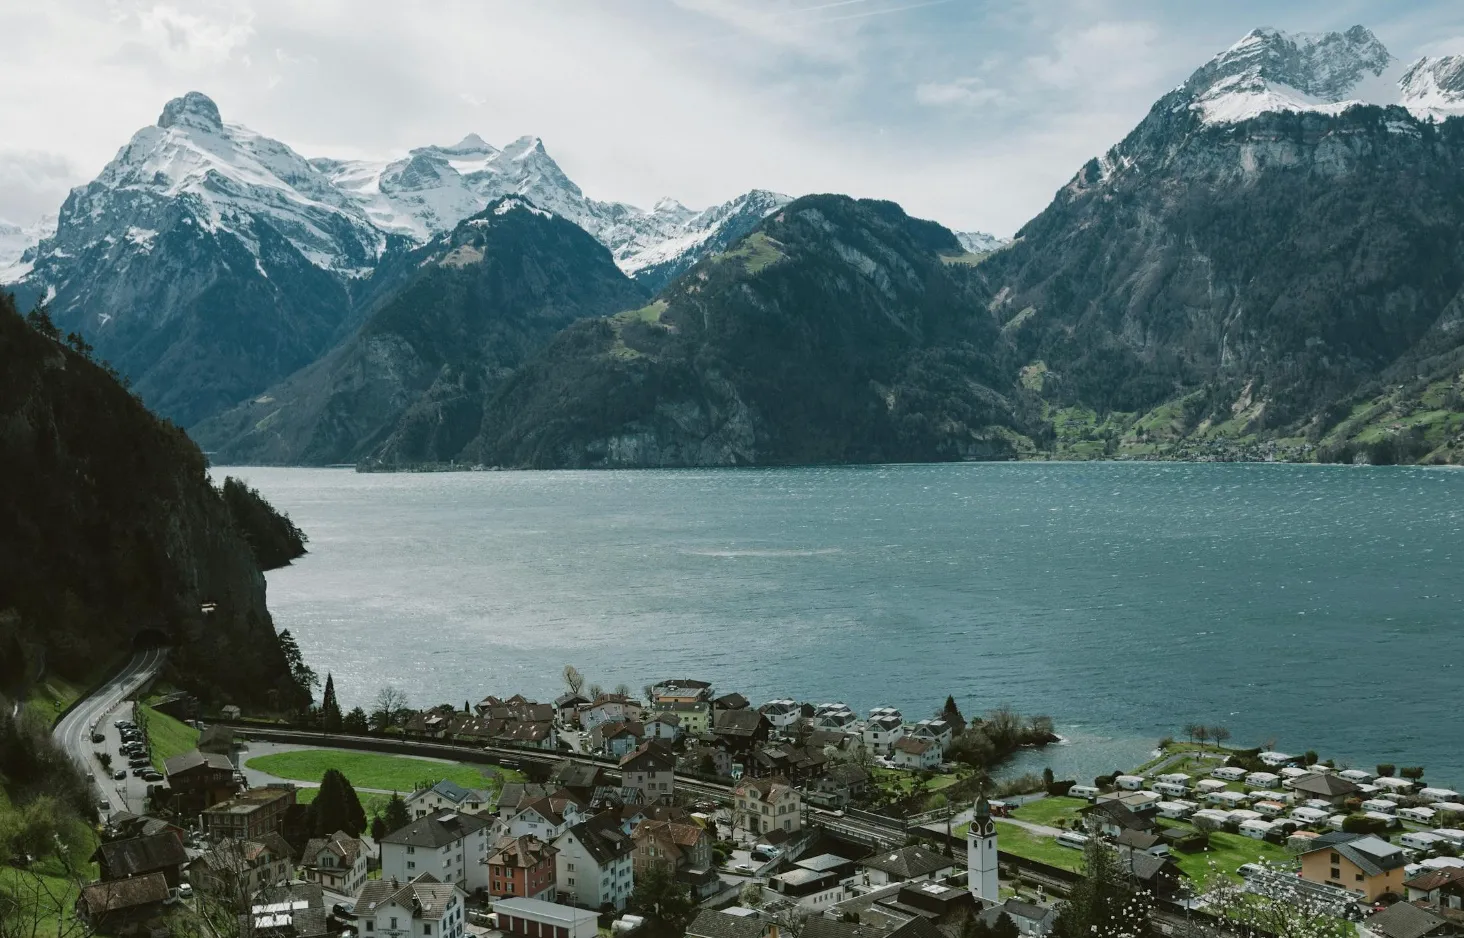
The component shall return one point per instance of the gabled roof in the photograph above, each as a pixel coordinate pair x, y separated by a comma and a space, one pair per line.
649, 756
1120, 814
117, 894
1146, 866
1429, 880
1404, 920
740, 723
431, 896
343, 845
138, 855
571, 774
602, 838
1138, 840
713, 923
453, 792
524, 852
436, 830
1373, 855
909, 862
732, 701
916, 747
818, 926
764, 788
194, 759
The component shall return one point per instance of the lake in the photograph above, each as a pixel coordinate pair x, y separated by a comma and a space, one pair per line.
1305, 606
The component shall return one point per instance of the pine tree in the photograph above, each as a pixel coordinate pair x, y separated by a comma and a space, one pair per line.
330, 710
396, 816
1005, 927
355, 721
378, 828
337, 807
952, 714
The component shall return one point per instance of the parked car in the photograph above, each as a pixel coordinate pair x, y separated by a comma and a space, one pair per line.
99, 737
139, 771
185, 891
119, 775
104, 804
153, 776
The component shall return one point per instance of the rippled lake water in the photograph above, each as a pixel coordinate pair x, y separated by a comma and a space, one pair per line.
1316, 607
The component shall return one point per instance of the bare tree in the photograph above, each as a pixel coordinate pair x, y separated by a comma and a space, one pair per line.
596, 691
1221, 735
1191, 730
1202, 733
390, 702
574, 681
622, 689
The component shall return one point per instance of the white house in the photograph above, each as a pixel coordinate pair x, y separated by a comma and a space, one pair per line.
337, 862
609, 708
594, 867
905, 864
665, 727
915, 754
448, 796
543, 818
882, 730
449, 845
781, 713
420, 908
535, 918
936, 730
833, 716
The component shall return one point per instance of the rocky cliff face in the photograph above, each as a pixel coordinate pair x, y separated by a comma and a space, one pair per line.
409, 386
112, 533
838, 331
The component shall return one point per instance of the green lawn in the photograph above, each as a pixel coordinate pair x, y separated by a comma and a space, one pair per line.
43, 890
1022, 843
52, 696
167, 737
1227, 853
375, 770
371, 802
1050, 810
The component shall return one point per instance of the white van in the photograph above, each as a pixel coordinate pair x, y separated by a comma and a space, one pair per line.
1072, 839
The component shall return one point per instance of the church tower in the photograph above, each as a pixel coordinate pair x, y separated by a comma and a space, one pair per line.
981, 876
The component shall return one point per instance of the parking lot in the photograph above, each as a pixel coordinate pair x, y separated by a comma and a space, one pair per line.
130, 792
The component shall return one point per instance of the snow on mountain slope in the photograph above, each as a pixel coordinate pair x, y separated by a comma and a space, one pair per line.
16, 241
1326, 73
979, 242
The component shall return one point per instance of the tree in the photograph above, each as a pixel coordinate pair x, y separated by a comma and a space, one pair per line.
1103, 904
378, 828
1412, 772
330, 710
1202, 733
952, 715
596, 691
1275, 905
622, 689
574, 682
1386, 769
1192, 730
355, 721
1005, 927
39, 319
660, 898
1309, 757
1048, 779
303, 675
337, 807
1221, 735
390, 702
395, 815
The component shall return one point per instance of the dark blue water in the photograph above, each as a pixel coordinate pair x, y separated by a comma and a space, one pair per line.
1309, 607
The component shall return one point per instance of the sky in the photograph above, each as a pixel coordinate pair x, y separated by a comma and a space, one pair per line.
970, 112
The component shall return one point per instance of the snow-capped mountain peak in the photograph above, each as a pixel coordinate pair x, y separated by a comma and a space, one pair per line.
1434, 86
979, 242
18, 244
194, 109
1269, 70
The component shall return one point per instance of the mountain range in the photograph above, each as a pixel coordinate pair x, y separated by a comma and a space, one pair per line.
1268, 265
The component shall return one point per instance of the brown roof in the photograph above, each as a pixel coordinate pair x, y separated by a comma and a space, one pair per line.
738, 722
648, 756
343, 845
915, 747
117, 894
137, 855
765, 788
195, 759
524, 852
1429, 880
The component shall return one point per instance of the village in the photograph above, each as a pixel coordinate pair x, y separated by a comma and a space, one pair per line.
684, 810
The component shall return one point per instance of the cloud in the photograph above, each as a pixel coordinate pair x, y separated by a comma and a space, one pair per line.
33, 183
963, 92
201, 36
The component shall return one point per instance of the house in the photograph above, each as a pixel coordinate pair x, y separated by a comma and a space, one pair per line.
705, 760
337, 862
882, 730
137, 856
515, 795
235, 867
109, 906
199, 780
566, 707
1403, 920
1112, 818
230, 712
448, 844
650, 768
936, 730
916, 754
615, 738
1159, 875
787, 759
423, 906
595, 864
781, 714
251, 814
833, 716
609, 708
217, 739
545, 818
693, 716
916, 862
732, 701
123, 824
1333, 789
1363, 864
840, 785
1034, 921
296, 910
681, 689
522, 866
685, 848
581, 778
766, 804
535, 918
448, 796
664, 727
808, 890
741, 731
1444, 888
1148, 842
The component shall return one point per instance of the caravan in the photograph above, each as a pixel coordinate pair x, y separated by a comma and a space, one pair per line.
1072, 839
1172, 789
1088, 792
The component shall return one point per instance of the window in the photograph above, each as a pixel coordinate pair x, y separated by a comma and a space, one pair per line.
570, 867
426, 928
414, 850
393, 923
571, 880
370, 925
1336, 858
1358, 877
1336, 873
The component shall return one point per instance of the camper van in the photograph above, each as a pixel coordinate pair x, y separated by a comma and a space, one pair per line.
1175, 778
1072, 839
1083, 791
1420, 815
1356, 776
1381, 806
1176, 810
1173, 789
1310, 816
1255, 830
1228, 773
1129, 782
1420, 840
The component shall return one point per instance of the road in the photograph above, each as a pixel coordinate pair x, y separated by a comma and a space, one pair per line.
74, 731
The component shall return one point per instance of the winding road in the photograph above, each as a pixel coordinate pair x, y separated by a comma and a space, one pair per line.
74, 731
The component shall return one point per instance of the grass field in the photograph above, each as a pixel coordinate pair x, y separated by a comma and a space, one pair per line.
376, 770
46, 897
167, 737
1227, 853
52, 696
371, 802
1022, 843
1050, 810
